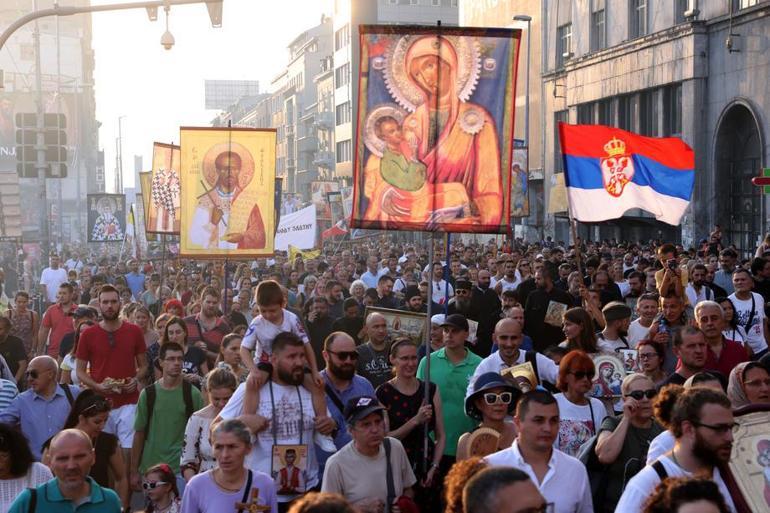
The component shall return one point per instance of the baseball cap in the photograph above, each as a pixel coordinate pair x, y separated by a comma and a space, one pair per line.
456, 321
358, 408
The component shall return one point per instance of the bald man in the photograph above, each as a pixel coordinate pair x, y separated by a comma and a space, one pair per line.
509, 337
373, 358
41, 410
72, 457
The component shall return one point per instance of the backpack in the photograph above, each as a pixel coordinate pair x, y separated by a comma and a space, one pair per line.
151, 393
68, 393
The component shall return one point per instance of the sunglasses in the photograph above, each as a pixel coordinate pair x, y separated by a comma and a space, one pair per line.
32, 374
640, 394
503, 398
583, 374
152, 485
462, 292
345, 355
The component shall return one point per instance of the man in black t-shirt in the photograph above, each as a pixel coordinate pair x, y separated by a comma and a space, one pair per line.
544, 308
12, 349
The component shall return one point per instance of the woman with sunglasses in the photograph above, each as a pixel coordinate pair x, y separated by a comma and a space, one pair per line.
492, 401
89, 414
230, 356
197, 454
579, 415
623, 441
159, 485
217, 490
68, 366
749, 384
651, 355
403, 397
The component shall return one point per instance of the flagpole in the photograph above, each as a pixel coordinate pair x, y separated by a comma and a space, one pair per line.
428, 328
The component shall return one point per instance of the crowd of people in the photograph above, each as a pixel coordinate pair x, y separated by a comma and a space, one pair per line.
277, 384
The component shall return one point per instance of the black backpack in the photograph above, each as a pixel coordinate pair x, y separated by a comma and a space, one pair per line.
151, 393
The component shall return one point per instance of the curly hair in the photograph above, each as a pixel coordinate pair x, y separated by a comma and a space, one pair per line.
673, 493
321, 503
664, 403
13, 442
455, 481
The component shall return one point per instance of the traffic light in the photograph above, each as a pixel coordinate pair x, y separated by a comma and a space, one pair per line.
54, 145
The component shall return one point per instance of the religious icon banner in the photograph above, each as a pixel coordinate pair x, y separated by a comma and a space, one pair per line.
145, 183
106, 217
164, 214
519, 183
227, 192
434, 137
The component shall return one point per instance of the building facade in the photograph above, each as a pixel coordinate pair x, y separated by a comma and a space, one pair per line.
67, 88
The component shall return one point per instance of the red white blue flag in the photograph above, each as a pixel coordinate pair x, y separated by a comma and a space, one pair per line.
609, 171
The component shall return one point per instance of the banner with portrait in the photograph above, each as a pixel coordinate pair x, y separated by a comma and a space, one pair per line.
145, 188
106, 217
435, 122
227, 192
519, 183
164, 215
318, 192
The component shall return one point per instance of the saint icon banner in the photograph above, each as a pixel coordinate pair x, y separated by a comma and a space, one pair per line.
106, 217
164, 214
227, 192
434, 136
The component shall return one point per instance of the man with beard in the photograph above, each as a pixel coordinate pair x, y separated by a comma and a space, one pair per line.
711, 270
284, 405
488, 304
697, 291
111, 359
342, 383
510, 280
635, 291
509, 338
544, 308
617, 318
462, 302
423, 287
702, 423
319, 325
386, 299
413, 300
206, 329
352, 322
335, 298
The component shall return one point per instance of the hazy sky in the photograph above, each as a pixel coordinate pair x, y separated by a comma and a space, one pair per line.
158, 90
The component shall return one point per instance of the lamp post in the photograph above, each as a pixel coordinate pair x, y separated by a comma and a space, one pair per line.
528, 20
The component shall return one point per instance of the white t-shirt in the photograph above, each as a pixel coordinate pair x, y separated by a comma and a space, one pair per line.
507, 285
261, 333
440, 295
52, 278
636, 333
641, 486
576, 425
755, 335
694, 297
289, 407
660, 445
11, 488
610, 345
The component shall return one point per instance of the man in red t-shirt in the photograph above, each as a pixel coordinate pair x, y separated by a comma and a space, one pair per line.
111, 357
56, 322
207, 329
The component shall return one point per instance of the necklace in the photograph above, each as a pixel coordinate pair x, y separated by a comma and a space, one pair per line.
230, 490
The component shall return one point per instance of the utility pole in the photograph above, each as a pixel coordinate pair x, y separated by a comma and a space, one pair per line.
40, 164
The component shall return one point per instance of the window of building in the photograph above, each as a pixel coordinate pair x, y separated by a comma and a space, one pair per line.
414, 2
585, 114
342, 75
672, 109
342, 37
743, 4
344, 151
604, 112
680, 7
435, 3
598, 32
625, 113
558, 161
648, 110
637, 26
393, 2
563, 44
344, 113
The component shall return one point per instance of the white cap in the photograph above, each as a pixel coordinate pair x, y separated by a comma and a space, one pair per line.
438, 319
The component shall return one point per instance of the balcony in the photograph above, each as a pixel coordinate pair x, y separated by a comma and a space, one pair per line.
324, 120
324, 159
307, 144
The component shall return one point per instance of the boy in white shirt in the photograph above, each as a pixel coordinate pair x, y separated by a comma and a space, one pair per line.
273, 319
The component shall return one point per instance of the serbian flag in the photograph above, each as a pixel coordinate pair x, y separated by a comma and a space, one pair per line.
337, 229
608, 171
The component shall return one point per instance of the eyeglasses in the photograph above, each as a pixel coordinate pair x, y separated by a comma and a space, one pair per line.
757, 382
345, 355
639, 394
719, 428
583, 374
545, 508
503, 398
647, 356
147, 485
461, 292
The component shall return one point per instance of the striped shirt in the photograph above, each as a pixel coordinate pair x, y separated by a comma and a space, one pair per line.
8, 391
